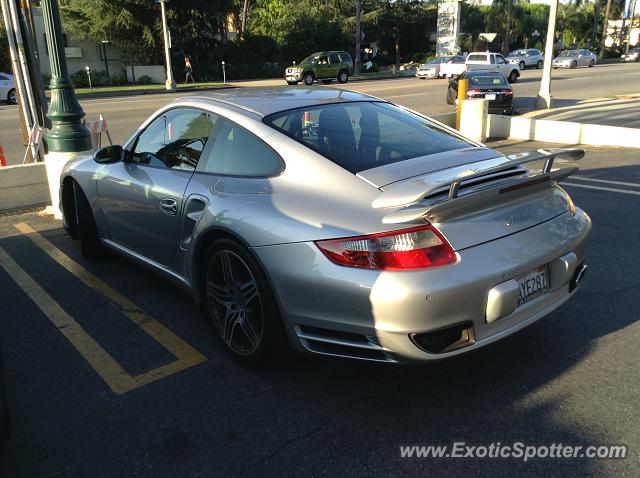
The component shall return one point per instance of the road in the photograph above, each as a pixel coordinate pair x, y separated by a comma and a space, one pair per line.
124, 114
571, 378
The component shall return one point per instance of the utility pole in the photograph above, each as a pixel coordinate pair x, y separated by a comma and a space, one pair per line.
67, 136
543, 101
633, 15
170, 84
356, 58
604, 31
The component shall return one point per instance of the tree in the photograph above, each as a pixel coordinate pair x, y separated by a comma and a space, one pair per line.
604, 30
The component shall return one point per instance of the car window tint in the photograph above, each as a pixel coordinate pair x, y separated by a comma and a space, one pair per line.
237, 152
323, 60
500, 59
364, 135
344, 57
492, 59
477, 58
3, 78
175, 139
487, 80
334, 58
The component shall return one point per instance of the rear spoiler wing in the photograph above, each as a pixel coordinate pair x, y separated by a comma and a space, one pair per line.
409, 193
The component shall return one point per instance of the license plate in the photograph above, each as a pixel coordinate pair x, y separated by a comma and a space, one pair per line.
490, 97
291, 78
532, 284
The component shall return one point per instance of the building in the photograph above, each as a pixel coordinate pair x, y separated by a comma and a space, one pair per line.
98, 56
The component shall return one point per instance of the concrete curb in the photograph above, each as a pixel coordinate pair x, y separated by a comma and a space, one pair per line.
564, 132
23, 186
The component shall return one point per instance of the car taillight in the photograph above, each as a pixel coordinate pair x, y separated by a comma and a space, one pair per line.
473, 92
506, 92
414, 248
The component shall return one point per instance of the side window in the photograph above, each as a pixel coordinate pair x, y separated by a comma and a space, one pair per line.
3, 78
493, 59
323, 60
334, 58
237, 152
345, 58
175, 139
500, 60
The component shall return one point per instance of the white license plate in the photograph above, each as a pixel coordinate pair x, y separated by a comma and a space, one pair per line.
532, 284
490, 97
291, 78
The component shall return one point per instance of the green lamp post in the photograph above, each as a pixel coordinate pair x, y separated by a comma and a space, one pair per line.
67, 134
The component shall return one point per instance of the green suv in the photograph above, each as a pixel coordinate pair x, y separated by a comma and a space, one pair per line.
324, 66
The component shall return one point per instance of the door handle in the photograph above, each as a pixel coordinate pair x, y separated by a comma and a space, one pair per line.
169, 206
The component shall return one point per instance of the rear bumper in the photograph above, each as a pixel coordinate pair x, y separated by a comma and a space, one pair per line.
376, 315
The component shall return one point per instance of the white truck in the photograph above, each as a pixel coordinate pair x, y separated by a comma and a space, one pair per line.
492, 62
453, 66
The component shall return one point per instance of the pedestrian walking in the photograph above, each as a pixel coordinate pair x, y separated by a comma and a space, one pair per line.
188, 70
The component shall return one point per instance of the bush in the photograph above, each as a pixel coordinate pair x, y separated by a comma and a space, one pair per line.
144, 80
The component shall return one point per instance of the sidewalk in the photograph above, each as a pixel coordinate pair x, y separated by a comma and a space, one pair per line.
623, 110
116, 91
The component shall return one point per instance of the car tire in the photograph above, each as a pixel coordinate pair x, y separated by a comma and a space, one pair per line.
539, 65
86, 228
308, 79
513, 76
292, 83
343, 76
591, 63
522, 65
12, 98
238, 300
574, 65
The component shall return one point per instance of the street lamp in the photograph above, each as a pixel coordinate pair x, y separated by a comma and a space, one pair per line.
170, 84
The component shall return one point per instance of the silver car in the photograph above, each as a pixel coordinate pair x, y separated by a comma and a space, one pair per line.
574, 59
431, 69
340, 223
526, 57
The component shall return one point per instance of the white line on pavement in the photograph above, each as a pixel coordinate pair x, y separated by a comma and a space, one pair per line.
404, 96
600, 188
606, 181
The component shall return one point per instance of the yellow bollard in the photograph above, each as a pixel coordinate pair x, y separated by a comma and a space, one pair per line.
463, 86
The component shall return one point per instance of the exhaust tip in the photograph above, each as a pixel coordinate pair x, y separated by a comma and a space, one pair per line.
578, 275
445, 340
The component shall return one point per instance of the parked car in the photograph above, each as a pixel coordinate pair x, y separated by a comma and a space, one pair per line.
339, 222
492, 62
574, 59
431, 69
632, 55
325, 66
526, 57
8, 89
491, 85
453, 66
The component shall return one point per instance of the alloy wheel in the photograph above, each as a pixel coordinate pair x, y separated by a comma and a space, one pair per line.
235, 302
13, 99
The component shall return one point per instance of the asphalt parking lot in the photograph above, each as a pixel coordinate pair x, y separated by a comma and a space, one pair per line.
112, 372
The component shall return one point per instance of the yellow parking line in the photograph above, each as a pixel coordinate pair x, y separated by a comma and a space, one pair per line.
110, 371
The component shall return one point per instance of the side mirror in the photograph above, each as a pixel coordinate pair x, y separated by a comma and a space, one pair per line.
109, 155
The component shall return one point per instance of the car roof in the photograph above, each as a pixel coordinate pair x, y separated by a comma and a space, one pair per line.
265, 101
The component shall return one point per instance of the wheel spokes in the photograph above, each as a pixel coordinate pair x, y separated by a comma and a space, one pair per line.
249, 331
248, 290
220, 294
227, 270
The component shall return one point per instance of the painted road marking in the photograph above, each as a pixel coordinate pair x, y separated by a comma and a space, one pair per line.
601, 188
607, 181
109, 370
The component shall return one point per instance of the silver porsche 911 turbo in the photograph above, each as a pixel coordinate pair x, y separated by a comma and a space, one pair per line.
340, 223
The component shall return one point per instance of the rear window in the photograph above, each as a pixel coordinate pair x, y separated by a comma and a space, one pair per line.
477, 58
364, 135
487, 80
